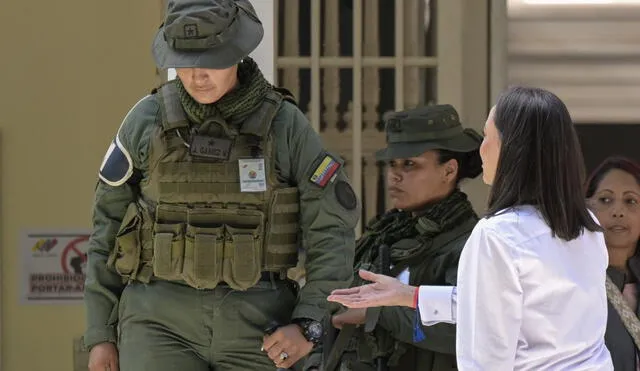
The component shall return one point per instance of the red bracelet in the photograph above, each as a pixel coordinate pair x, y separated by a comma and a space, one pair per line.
416, 294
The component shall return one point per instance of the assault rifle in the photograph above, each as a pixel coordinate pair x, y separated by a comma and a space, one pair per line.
336, 345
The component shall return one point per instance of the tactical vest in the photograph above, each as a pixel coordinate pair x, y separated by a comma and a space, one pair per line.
192, 223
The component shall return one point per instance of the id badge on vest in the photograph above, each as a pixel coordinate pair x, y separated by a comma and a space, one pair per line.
253, 176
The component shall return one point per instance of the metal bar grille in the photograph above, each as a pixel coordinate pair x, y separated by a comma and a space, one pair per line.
347, 113
348, 62
356, 119
399, 55
316, 14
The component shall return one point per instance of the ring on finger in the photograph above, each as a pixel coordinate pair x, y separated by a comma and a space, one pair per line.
283, 356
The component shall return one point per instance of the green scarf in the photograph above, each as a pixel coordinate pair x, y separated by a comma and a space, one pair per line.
410, 238
237, 104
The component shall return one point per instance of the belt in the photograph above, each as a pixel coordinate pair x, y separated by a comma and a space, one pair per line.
266, 276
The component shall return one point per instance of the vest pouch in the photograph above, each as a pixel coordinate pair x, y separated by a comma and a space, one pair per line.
125, 256
168, 251
242, 267
203, 256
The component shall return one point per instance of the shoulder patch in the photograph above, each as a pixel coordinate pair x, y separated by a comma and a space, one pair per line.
345, 195
117, 166
325, 170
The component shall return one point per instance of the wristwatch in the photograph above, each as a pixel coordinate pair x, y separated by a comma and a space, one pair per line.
311, 329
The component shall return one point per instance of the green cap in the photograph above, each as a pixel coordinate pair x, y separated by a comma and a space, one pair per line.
213, 34
413, 132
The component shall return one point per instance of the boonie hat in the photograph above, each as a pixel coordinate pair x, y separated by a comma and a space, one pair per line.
215, 34
413, 132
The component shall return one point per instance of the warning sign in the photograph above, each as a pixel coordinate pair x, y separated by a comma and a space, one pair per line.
54, 266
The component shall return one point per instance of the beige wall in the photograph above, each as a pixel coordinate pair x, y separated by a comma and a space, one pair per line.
587, 54
69, 72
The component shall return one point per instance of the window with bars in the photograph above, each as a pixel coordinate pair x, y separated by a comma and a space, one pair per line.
349, 62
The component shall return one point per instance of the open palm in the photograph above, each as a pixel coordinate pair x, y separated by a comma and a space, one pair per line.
383, 291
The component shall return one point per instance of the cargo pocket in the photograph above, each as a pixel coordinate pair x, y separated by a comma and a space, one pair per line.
203, 255
168, 251
242, 257
125, 256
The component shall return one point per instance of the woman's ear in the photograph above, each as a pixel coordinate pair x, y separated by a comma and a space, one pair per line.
451, 170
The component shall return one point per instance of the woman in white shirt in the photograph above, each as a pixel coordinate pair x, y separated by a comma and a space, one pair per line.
531, 280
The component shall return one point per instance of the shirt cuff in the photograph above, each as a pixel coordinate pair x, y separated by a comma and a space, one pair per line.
437, 304
95, 336
308, 311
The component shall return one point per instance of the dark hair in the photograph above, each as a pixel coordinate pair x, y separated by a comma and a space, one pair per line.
469, 163
611, 163
540, 161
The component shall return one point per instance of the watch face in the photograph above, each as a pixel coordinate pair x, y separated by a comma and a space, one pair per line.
315, 330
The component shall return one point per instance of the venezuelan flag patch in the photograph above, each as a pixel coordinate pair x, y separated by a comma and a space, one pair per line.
325, 171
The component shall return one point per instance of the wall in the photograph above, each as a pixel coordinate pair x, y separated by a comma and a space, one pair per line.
587, 54
69, 71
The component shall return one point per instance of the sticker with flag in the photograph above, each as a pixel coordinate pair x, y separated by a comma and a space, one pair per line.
325, 171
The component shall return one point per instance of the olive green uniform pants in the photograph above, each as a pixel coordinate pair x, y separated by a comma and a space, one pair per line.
168, 326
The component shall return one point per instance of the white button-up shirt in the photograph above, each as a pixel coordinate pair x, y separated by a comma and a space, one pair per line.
525, 300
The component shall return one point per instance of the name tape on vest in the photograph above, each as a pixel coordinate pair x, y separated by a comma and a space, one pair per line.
210, 147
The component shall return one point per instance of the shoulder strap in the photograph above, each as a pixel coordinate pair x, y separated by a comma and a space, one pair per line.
259, 122
173, 115
286, 95
629, 318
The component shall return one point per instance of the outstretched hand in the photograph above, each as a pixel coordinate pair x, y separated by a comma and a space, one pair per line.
383, 291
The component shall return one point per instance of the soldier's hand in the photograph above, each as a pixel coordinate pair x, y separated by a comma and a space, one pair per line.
349, 317
286, 346
103, 357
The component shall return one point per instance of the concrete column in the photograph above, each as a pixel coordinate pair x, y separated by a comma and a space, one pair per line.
498, 48
464, 55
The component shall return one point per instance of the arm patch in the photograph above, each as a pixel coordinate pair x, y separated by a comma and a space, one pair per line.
117, 166
345, 195
325, 169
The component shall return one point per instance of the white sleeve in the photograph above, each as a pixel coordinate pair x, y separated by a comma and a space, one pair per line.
437, 304
489, 309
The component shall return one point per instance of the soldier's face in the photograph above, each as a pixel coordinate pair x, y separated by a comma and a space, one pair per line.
207, 85
417, 181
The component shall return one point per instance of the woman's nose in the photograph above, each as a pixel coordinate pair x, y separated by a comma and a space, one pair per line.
395, 176
617, 212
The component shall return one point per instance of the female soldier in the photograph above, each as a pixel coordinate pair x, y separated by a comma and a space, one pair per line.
428, 154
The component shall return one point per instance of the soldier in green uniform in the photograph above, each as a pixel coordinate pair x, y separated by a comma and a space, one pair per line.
429, 153
212, 185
